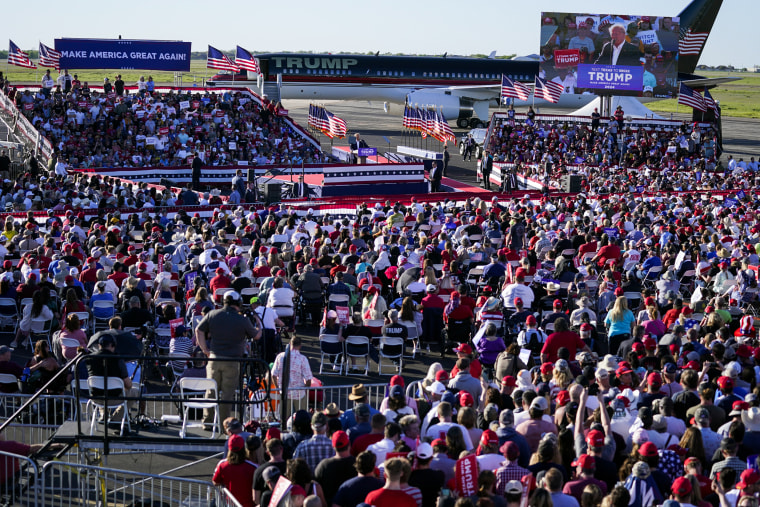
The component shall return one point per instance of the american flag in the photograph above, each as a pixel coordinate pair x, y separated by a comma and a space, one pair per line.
49, 57
710, 104
218, 60
407, 117
691, 43
19, 58
514, 89
689, 97
412, 118
337, 126
445, 129
245, 60
547, 90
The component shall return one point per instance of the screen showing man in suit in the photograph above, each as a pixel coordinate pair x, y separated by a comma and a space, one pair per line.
610, 54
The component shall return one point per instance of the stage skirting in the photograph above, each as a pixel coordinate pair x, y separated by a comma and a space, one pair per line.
333, 180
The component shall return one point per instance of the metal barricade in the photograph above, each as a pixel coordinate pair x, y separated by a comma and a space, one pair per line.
21, 487
316, 398
62, 484
39, 421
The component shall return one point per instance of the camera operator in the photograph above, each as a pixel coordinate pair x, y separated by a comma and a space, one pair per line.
223, 333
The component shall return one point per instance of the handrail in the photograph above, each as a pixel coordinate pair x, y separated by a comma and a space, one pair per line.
61, 373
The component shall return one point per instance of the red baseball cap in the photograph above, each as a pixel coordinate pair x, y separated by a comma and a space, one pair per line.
638, 347
547, 368
340, 439
623, 369
557, 303
518, 301
692, 365
584, 461
619, 291
489, 438
563, 398
272, 433
397, 380
466, 400
650, 343
649, 301
595, 438
442, 375
648, 450
681, 486
236, 443
530, 320
725, 382
464, 348
654, 379
744, 351
749, 477
509, 381
439, 442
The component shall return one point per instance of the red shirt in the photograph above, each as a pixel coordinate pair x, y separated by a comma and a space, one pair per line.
460, 313
219, 282
475, 369
567, 339
238, 479
361, 443
89, 275
389, 498
608, 252
432, 301
118, 277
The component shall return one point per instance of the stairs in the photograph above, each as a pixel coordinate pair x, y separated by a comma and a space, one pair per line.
272, 91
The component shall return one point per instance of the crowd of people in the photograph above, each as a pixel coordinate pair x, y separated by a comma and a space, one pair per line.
606, 348
111, 127
619, 157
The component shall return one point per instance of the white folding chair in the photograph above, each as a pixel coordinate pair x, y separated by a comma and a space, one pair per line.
178, 365
102, 322
358, 346
84, 320
391, 348
189, 389
97, 401
337, 300
40, 330
328, 344
9, 315
68, 343
412, 335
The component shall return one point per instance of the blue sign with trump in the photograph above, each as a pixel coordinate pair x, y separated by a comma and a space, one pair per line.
611, 77
124, 54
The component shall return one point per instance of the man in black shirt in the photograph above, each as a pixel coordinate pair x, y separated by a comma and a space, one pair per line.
274, 449
105, 363
119, 85
354, 491
196, 175
429, 481
135, 316
5, 164
333, 472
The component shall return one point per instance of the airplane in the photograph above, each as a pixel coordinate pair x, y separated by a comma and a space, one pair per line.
461, 88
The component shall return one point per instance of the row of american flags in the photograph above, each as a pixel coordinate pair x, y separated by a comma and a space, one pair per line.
429, 122
542, 89
692, 98
49, 57
326, 122
215, 59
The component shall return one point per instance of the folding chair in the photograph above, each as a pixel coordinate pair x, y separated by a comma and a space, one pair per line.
40, 330
9, 315
358, 346
177, 365
84, 320
412, 335
96, 385
335, 300
102, 322
330, 346
163, 337
391, 348
189, 389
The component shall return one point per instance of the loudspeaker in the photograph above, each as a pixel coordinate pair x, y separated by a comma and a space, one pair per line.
571, 183
272, 192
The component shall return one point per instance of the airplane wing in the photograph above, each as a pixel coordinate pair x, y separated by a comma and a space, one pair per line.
708, 83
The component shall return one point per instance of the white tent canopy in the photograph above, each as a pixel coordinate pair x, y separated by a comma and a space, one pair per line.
631, 106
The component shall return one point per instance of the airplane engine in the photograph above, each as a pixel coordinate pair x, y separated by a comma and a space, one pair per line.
453, 108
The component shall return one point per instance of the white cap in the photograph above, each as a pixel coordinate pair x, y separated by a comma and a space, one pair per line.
431, 288
233, 295
436, 388
424, 451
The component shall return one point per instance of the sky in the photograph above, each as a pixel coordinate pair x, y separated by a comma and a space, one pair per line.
414, 27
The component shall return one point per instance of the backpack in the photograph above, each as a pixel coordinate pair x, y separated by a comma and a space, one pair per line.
532, 342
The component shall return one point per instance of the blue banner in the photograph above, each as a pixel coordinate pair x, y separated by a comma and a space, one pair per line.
611, 232
611, 77
123, 54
